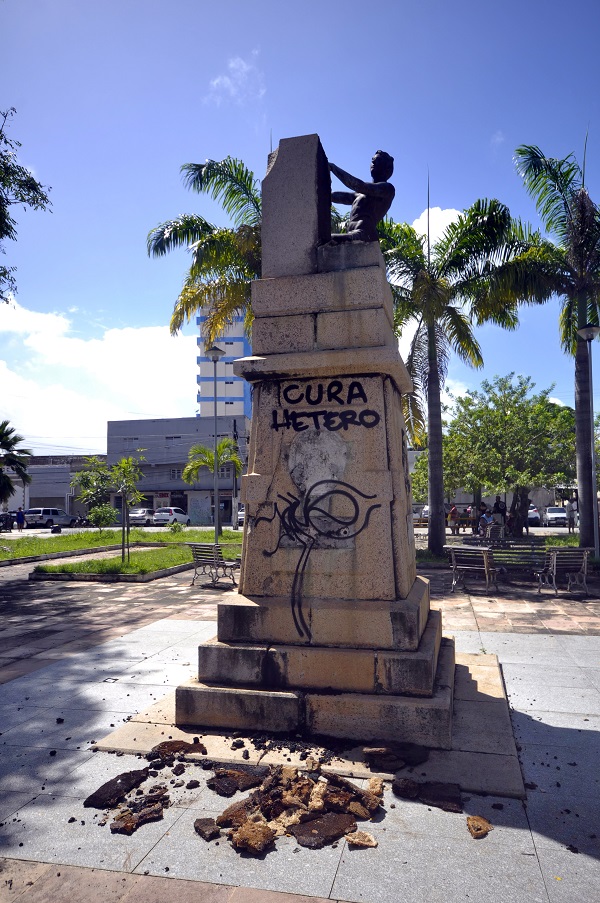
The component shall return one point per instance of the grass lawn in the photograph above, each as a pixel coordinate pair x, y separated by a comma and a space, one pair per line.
25, 546
140, 562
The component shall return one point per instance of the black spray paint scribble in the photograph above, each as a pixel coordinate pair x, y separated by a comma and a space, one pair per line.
307, 521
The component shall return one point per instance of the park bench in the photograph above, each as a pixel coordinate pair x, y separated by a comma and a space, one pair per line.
567, 563
208, 560
473, 559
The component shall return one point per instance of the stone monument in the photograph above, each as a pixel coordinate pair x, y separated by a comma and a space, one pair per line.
330, 632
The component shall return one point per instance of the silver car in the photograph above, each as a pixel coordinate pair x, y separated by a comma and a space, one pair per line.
164, 516
48, 517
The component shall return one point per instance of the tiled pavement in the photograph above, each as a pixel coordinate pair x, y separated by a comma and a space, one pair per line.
93, 655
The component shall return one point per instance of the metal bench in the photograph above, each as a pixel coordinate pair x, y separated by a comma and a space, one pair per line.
208, 560
566, 562
474, 559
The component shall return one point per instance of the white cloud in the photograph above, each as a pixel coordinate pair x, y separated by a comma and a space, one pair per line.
243, 82
61, 390
439, 220
497, 139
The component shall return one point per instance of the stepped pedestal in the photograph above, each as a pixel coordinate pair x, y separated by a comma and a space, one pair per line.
331, 631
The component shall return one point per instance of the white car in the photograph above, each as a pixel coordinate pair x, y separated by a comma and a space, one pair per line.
164, 516
141, 516
555, 517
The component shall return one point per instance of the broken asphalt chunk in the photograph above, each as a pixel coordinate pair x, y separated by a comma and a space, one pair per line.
323, 829
115, 790
207, 828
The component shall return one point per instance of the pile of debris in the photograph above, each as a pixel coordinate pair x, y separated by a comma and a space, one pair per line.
317, 808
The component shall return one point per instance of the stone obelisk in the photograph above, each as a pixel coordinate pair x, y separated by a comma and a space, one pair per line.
330, 632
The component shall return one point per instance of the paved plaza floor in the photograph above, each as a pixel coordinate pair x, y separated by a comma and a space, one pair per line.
94, 655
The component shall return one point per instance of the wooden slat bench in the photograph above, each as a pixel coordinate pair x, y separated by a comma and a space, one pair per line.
564, 562
208, 560
471, 559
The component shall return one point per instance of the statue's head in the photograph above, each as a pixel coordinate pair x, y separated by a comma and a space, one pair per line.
382, 166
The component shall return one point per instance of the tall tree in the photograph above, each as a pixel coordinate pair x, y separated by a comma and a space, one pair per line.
224, 260
200, 456
12, 458
507, 439
570, 268
475, 273
18, 187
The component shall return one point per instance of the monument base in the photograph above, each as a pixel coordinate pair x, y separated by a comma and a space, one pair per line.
354, 716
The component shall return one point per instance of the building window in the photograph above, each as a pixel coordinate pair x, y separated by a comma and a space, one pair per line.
224, 472
228, 402
229, 382
176, 473
171, 440
131, 441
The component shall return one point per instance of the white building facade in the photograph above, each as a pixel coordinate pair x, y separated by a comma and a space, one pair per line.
233, 392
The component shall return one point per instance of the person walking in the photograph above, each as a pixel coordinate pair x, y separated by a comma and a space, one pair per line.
20, 520
570, 509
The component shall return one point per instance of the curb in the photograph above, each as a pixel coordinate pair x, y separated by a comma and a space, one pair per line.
112, 578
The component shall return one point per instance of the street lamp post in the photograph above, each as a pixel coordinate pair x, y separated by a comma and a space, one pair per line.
589, 332
215, 354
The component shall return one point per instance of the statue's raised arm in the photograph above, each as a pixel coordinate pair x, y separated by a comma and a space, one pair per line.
370, 200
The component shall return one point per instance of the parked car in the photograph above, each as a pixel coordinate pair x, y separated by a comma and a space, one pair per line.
533, 516
164, 516
555, 517
141, 516
241, 516
49, 517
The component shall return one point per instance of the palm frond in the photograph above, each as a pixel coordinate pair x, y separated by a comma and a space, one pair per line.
551, 183
230, 182
177, 233
456, 328
225, 299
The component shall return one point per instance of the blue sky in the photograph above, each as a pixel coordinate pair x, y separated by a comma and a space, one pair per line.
113, 97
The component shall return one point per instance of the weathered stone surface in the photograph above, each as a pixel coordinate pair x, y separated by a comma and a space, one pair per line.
323, 830
380, 624
115, 790
196, 703
349, 256
296, 207
426, 721
358, 670
357, 289
318, 365
207, 828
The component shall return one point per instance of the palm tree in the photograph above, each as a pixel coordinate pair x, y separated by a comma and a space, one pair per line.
224, 260
11, 458
475, 273
200, 456
570, 268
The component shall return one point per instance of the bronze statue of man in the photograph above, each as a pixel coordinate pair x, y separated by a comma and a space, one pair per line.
370, 200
